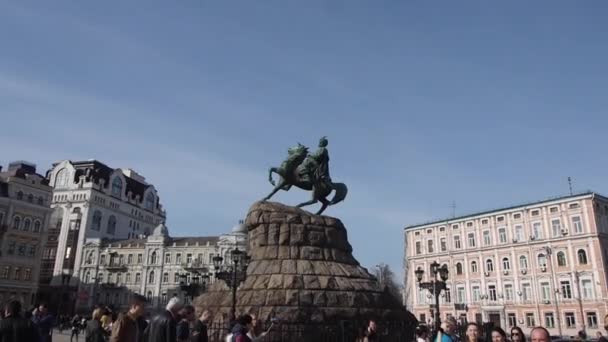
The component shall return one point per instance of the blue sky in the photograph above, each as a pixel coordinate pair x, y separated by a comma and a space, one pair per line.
483, 103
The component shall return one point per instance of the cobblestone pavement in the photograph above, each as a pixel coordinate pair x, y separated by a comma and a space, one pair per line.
65, 337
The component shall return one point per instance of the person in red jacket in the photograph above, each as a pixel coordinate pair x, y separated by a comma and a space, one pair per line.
240, 329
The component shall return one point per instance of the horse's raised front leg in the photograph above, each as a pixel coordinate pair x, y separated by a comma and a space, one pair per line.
270, 171
274, 191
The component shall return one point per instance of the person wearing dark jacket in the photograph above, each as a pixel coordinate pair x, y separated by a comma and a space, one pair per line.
94, 331
162, 328
14, 328
199, 331
240, 329
186, 316
44, 322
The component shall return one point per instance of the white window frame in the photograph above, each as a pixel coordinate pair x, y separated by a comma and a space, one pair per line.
577, 227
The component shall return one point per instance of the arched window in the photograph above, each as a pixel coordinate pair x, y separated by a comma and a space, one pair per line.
16, 222
561, 259
97, 220
116, 187
40, 200
89, 259
506, 264
474, 266
57, 218
153, 258
111, 225
151, 277
149, 204
582, 257
61, 179
87, 277
542, 260
523, 262
27, 224
30, 198
458, 268
165, 277
489, 265
100, 277
37, 226
20, 195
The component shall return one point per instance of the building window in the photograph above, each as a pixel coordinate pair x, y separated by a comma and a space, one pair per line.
176, 278
17, 274
502, 235
138, 278
119, 278
188, 258
523, 262
537, 230
530, 323
164, 297
587, 288
506, 265
511, 320
577, 225
485, 221
37, 226
27, 223
492, 292
549, 320
40, 200
553, 210
31, 251
561, 259
591, 319
456, 241
20, 195
471, 237
582, 257
128, 278
21, 249
27, 275
475, 291
508, 291
429, 244
153, 258
458, 268
474, 266
116, 187
111, 225
16, 222
573, 205
542, 260
130, 259
519, 233
11, 247
526, 293
61, 179
167, 258
460, 295
149, 296
500, 219
570, 320
469, 224
96, 220
556, 227
149, 201
178, 258
486, 238
443, 244
566, 289
545, 291
418, 248
140, 258
489, 265
165, 277
441, 229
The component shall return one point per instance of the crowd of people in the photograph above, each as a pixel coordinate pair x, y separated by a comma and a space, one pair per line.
449, 332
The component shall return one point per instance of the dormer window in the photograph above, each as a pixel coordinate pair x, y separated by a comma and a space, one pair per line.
150, 199
116, 187
500, 218
61, 179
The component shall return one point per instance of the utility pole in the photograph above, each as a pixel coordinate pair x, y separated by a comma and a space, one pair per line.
570, 184
453, 206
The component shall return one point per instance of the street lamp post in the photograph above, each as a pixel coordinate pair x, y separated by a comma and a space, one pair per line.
198, 284
435, 286
548, 253
580, 299
233, 272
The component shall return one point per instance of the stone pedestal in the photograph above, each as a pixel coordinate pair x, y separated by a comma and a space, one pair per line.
302, 270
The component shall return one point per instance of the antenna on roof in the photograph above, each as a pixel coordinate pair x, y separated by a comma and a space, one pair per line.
453, 206
570, 184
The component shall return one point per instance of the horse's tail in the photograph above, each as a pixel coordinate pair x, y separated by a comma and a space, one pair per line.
341, 191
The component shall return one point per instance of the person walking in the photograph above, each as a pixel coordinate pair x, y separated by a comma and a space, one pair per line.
239, 332
75, 328
472, 333
162, 328
186, 316
43, 321
94, 331
125, 328
199, 330
517, 335
14, 328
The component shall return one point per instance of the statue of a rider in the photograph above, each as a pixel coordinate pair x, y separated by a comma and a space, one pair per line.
315, 168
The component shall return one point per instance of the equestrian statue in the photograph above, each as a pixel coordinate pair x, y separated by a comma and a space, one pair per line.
308, 172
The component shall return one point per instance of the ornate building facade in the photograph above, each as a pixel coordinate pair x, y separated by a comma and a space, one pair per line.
158, 266
540, 263
91, 201
24, 214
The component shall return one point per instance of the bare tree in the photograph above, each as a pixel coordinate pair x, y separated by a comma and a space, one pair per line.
388, 281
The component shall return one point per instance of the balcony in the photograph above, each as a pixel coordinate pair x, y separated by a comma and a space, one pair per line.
116, 267
196, 265
111, 286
